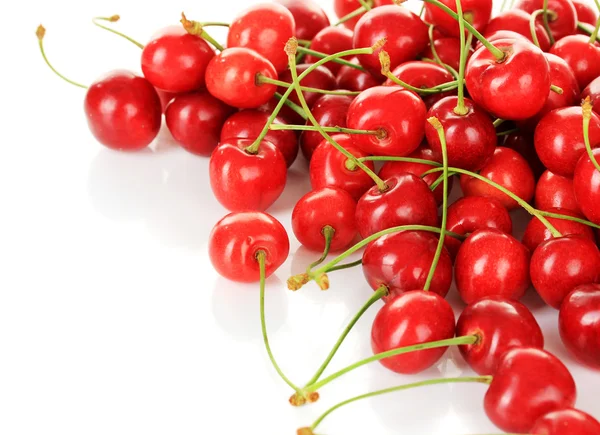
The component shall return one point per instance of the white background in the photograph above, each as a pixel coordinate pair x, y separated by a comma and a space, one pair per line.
112, 320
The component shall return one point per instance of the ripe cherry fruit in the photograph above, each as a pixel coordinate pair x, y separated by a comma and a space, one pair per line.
517, 20
331, 40
536, 232
565, 21
309, 17
447, 49
476, 12
566, 422
356, 80
582, 56
555, 191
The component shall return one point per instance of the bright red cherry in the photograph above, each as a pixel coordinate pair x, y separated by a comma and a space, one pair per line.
320, 78
585, 13
176, 61
123, 111
565, 22
309, 17
264, 28
491, 263
345, 7
500, 325
195, 121
477, 12
412, 318
244, 181
399, 115
566, 422
593, 91
447, 49
582, 57
356, 80
522, 142
536, 232
331, 40
586, 183
236, 240
555, 191
528, 384
559, 265
517, 20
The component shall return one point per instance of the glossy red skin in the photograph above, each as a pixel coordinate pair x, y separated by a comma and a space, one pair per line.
479, 12
407, 201
555, 191
412, 318
248, 124
447, 49
236, 239
331, 40
319, 208
195, 121
320, 78
231, 77
499, 35
560, 265
536, 232
286, 113
491, 263
517, 20
500, 324
522, 142
507, 168
309, 17
559, 140
585, 13
586, 184
241, 181
406, 34
345, 7
582, 57
123, 111
264, 28
593, 91
470, 139
329, 111
328, 168
401, 262
566, 21
566, 422
356, 80
400, 112
528, 384
175, 61
515, 89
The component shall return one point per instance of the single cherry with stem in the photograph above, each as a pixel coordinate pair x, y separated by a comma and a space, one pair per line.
567, 421
582, 53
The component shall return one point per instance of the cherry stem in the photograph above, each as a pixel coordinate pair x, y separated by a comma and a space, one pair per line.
40, 33
546, 22
346, 266
568, 218
556, 89
422, 10
196, 28
306, 50
503, 7
587, 29
367, 4
507, 132
114, 19
586, 108
594, 34
292, 106
215, 24
336, 129
328, 232
261, 257
399, 159
499, 122
436, 57
460, 108
353, 14
532, 22
264, 79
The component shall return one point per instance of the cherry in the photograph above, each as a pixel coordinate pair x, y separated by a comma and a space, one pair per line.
585, 13
397, 112
559, 265
476, 12
582, 57
517, 20
528, 384
407, 201
522, 142
346, 7
320, 78
510, 170
555, 191
354, 79
286, 113
309, 17
566, 422
500, 35
447, 49
401, 262
586, 183
195, 120
593, 91
175, 61
565, 22
331, 40
559, 139
412, 318
470, 138
264, 28
579, 323
248, 124
406, 35
491, 263
231, 77
328, 167
236, 240
244, 181
500, 325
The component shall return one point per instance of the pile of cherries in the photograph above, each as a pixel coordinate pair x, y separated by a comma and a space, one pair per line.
388, 107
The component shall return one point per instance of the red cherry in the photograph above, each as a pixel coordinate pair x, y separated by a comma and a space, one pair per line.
236, 240
517, 21
231, 77
593, 91
345, 7
123, 111
331, 40
491, 263
565, 22
510, 170
555, 191
354, 79
309, 17
500, 325
320, 78
477, 12
559, 139
328, 168
447, 49
470, 138
286, 113
406, 35
522, 142
248, 124
327, 206
500, 35
582, 57
585, 13
528, 384
586, 183
566, 422
195, 121
397, 112
401, 262
407, 201
579, 323
536, 232
412, 318
264, 28
243, 181
559, 265
175, 61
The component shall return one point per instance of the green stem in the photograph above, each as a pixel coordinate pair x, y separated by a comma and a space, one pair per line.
587, 29
353, 14
436, 57
546, 22
568, 218
503, 5
594, 35
532, 22
349, 265
196, 28
366, 4
306, 50
399, 159
263, 79
507, 132
556, 89
292, 106
327, 129
440, 180
328, 232
426, 91
498, 122
214, 24
460, 108
586, 108
114, 19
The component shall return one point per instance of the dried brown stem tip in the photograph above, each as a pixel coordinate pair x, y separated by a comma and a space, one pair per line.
435, 122
192, 27
379, 44
40, 32
291, 47
305, 431
323, 281
586, 106
384, 59
114, 18
296, 282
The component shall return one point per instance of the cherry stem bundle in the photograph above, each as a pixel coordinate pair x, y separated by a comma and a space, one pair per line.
292, 106
114, 19
586, 108
264, 79
379, 133
196, 28
306, 50
328, 232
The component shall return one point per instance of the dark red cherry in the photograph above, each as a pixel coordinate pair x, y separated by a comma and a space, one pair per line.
175, 61
412, 318
447, 49
522, 142
309, 17
517, 20
582, 57
491, 263
555, 191
345, 7
565, 22
593, 91
566, 422
536, 232
528, 384
331, 40
477, 12
585, 13
586, 183
356, 80
320, 78
500, 325
286, 113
